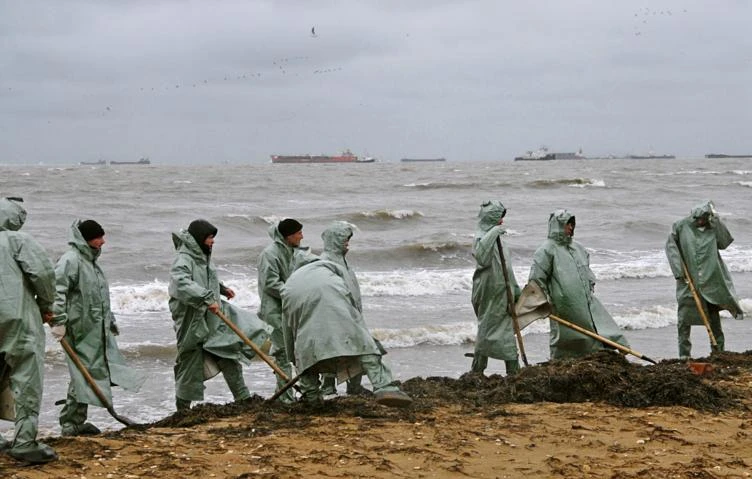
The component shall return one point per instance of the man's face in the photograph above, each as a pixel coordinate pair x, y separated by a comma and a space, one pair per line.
209, 242
702, 220
569, 229
294, 239
97, 243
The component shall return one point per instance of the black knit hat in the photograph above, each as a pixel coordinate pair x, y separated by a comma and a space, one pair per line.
90, 230
289, 226
200, 230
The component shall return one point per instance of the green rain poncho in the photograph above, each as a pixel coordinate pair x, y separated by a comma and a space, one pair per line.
82, 304
699, 247
322, 319
193, 287
561, 266
334, 238
496, 337
27, 285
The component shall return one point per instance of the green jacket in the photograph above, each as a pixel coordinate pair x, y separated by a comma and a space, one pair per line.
193, 287
322, 319
276, 263
82, 304
699, 246
27, 287
495, 337
561, 266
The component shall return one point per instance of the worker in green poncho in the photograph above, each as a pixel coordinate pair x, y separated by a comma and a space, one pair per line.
495, 338
27, 291
696, 240
275, 264
561, 267
84, 318
206, 345
324, 332
336, 239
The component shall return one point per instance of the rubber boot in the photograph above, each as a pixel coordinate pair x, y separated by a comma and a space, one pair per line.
310, 392
480, 363
232, 371
354, 388
512, 366
329, 384
73, 417
25, 447
384, 390
182, 404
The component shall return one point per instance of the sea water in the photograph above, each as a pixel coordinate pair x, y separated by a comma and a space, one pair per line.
411, 252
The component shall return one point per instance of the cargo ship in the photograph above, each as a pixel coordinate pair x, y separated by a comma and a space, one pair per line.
142, 161
542, 154
91, 163
345, 157
723, 155
650, 157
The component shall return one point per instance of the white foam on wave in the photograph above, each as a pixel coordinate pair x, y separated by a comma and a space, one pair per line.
589, 182
396, 214
415, 185
438, 335
414, 282
153, 296
748, 184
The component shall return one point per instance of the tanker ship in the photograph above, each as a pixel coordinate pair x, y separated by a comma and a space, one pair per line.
345, 157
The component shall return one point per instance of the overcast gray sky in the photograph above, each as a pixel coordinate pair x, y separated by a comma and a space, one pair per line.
236, 81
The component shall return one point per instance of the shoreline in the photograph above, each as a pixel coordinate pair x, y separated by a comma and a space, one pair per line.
469, 426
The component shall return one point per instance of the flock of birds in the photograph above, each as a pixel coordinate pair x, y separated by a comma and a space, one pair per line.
644, 14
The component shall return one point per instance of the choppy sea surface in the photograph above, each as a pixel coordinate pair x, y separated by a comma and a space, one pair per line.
412, 250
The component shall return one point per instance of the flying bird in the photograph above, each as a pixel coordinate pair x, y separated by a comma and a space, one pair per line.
313, 31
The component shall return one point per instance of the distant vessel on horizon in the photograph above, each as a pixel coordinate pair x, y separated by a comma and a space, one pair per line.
542, 154
346, 157
100, 162
422, 159
723, 155
142, 161
650, 156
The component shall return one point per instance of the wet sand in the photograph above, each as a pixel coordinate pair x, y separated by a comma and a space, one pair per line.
601, 417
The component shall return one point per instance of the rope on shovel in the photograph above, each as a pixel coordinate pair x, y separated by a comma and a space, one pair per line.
698, 303
265, 357
510, 303
90, 380
600, 338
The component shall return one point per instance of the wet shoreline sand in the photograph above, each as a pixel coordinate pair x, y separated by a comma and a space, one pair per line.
688, 426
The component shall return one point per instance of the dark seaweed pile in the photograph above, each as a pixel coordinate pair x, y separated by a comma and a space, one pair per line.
605, 377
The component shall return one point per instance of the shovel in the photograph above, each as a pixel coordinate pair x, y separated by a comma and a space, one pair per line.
265, 357
90, 380
698, 303
510, 303
534, 305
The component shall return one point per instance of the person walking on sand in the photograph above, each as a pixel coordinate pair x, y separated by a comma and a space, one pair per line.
84, 318
496, 337
27, 290
561, 267
205, 345
275, 264
696, 241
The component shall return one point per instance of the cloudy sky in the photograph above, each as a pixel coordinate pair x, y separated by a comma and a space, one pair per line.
235, 81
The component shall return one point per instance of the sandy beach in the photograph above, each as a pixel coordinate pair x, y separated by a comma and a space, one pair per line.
601, 417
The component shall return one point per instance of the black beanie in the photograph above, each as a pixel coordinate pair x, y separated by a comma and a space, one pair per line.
289, 226
90, 230
200, 230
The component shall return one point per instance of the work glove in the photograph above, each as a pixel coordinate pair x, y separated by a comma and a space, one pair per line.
114, 329
58, 331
